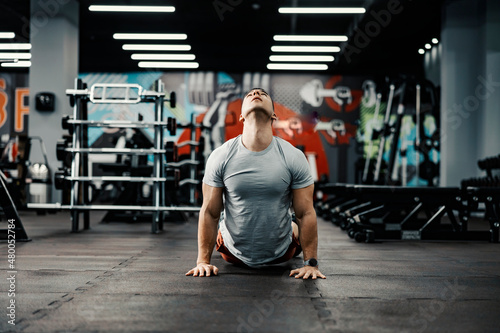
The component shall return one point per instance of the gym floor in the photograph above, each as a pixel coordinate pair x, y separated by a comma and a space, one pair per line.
118, 277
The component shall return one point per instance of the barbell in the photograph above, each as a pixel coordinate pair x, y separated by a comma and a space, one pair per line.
313, 93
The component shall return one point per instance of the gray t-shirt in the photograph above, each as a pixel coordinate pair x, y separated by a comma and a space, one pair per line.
256, 227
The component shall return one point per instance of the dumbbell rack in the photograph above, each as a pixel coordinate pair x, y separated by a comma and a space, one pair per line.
192, 181
132, 94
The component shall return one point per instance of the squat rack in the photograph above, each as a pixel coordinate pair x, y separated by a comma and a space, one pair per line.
116, 94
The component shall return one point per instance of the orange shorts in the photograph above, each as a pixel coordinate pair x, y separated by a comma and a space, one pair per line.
293, 250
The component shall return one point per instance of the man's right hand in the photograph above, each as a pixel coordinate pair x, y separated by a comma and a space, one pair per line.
203, 269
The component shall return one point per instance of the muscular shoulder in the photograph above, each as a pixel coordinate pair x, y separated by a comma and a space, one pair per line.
288, 149
222, 152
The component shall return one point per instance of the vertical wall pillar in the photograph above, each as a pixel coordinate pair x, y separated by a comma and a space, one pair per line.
462, 102
490, 121
54, 38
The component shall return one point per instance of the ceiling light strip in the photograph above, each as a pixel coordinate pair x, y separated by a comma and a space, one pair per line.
17, 64
15, 46
328, 49
298, 66
7, 35
155, 56
322, 10
138, 9
299, 58
166, 64
150, 36
156, 47
4, 55
309, 38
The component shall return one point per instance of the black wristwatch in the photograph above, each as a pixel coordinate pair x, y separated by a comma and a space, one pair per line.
311, 262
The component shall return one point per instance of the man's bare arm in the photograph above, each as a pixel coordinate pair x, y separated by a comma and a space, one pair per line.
207, 230
308, 230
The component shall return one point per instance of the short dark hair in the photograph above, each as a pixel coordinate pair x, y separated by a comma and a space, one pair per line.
261, 89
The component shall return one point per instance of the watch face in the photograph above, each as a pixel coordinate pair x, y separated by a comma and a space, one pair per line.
312, 262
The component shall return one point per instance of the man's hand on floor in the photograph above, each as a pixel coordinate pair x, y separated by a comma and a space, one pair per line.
307, 272
203, 269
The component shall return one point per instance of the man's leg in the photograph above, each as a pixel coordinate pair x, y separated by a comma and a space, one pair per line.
295, 228
225, 253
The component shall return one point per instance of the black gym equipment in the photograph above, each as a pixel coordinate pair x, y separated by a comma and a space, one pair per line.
415, 98
369, 212
78, 176
15, 230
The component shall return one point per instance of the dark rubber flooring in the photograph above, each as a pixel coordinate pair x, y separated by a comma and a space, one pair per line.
118, 277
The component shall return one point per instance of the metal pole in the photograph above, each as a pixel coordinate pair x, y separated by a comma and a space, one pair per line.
160, 101
417, 137
382, 139
157, 159
368, 153
75, 161
192, 171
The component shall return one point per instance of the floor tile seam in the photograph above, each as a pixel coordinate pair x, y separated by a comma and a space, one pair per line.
472, 270
400, 299
39, 314
483, 276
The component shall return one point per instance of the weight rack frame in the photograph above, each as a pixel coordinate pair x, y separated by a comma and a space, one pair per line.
79, 202
434, 202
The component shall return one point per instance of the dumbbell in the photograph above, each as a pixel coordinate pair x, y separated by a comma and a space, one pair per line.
172, 100
61, 150
65, 125
313, 93
172, 176
171, 152
60, 178
367, 236
172, 125
61, 153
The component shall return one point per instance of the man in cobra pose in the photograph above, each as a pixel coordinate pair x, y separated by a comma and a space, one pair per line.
256, 178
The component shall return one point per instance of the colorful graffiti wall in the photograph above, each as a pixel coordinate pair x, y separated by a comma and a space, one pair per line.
329, 117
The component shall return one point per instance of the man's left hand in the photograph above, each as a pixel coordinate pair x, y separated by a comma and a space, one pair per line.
307, 272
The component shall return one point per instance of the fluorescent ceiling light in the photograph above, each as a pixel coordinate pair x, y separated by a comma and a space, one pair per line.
305, 49
310, 67
15, 46
151, 36
17, 64
301, 58
155, 56
421, 51
166, 64
7, 35
139, 9
309, 38
156, 47
428, 46
15, 55
322, 10
435, 40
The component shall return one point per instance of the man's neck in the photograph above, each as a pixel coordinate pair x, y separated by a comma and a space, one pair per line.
257, 134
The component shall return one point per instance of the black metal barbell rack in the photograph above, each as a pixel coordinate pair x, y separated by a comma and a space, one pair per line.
77, 126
